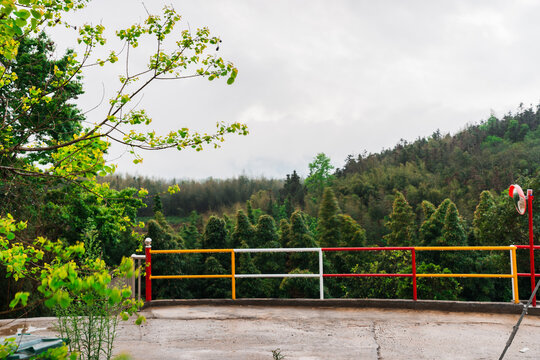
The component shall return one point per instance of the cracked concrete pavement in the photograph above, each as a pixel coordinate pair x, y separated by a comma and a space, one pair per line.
253, 332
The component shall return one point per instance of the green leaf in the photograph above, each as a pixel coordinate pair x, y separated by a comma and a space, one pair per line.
36, 14
20, 22
16, 29
140, 320
23, 14
126, 293
21, 297
230, 81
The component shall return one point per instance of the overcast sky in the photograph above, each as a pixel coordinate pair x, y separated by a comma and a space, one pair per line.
338, 77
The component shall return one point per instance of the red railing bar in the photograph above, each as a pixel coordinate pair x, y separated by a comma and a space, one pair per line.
536, 247
402, 248
367, 275
526, 274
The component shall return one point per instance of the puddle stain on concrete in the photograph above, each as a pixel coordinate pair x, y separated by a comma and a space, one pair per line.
18, 329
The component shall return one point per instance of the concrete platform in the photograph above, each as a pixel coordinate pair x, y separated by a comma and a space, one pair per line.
315, 332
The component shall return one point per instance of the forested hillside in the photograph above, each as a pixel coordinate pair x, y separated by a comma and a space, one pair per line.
435, 191
487, 156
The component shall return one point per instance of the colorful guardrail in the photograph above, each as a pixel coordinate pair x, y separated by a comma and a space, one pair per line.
512, 275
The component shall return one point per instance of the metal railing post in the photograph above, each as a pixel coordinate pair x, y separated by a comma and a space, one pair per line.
133, 277
321, 277
413, 260
148, 247
512, 279
233, 279
515, 277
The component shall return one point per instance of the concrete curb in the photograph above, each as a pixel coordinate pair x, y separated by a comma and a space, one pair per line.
432, 305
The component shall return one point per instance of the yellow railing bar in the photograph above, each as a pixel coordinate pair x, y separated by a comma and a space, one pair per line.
458, 248
468, 275
183, 251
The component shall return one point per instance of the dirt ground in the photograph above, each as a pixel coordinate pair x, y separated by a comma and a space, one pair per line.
254, 332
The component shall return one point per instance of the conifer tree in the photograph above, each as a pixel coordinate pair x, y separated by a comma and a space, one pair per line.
352, 234
428, 209
300, 237
453, 231
215, 288
164, 238
293, 190
328, 224
158, 206
284, 233
267, 236
431, 228
248, 288
249, 210
454, 234
485, 230
215, 234
266, 232
215, 237
244, 232
402, 224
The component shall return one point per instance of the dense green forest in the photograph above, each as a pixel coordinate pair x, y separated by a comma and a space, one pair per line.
440, 190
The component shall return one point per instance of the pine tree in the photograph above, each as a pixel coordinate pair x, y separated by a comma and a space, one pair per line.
267, 236
215, 288
352, 234
244, 232
453, 231
215, 237
431, 228
428, 209
284, 233
328, 225
293, 190
485, 230
300, 237
266, 232
215, 234
250, 215
158, 206
402, 224
164, 238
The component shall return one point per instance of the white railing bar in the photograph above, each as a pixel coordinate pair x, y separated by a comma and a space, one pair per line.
277, 250
276, 275
138, 257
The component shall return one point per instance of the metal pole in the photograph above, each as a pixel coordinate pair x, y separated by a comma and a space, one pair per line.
515, 273
530, 198
233, 270
148, 247
139, 280
321, 277
133, 277
512, 279
413, 255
